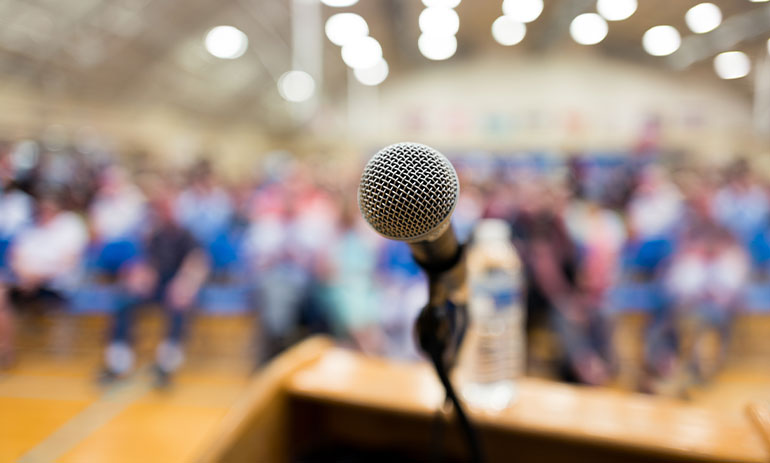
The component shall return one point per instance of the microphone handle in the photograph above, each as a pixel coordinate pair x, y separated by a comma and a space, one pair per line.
443, 261
439, 255
443, 321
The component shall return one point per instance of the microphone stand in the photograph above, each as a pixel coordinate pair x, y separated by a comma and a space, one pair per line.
440, 328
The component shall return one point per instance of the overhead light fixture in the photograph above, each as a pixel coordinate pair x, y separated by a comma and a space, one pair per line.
588, 29
616, 10
374, 75
768, 46
524, 11
339, 3
296, 86
363, 52
437, 47
439, 21
732, 65
704, 17
441, 3
661, 40
226, 42
507, 31
342, 28
759, 1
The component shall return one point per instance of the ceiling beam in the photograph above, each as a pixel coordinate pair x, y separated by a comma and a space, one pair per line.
734, 30
276, 58
558, 21
190, 19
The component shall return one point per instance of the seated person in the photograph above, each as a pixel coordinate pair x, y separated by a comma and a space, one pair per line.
43, 260
351, 295
206, 209
171, 273
291, 228
654, 214
555, 293
704, 282
116, 215
741, 205
15, 214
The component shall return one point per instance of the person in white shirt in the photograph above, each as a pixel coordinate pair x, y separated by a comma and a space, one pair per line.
656, 206
741, 205
46, 255
655, 215
44, 260
204, 207
116, 215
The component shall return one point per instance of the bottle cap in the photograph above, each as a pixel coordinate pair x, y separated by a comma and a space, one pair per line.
492, 230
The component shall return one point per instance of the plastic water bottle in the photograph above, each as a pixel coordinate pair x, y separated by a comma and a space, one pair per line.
493, 352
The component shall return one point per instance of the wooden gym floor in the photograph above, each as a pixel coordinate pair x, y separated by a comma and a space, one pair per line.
53, 410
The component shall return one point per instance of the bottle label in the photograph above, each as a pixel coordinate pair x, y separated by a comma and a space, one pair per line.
505, 299
499, 288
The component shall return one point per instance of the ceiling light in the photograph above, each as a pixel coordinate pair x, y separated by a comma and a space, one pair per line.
439, 21
226, 42
507, 31
703, 18
661, 40
441, 3
616, 10
437, 47
339, 3
768, 46
296, 86
588, 29
374, 75
732, 65
342, 28
363, 52
524, 11
758, 1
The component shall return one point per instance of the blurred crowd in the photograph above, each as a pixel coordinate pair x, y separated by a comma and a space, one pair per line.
293, 236
602, 236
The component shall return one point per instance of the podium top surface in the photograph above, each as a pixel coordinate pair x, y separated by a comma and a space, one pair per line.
561, 411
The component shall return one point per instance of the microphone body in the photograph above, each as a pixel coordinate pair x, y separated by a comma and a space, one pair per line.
437, 255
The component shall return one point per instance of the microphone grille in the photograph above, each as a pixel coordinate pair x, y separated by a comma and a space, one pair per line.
408, 191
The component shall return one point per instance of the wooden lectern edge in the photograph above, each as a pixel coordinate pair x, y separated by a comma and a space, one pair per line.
264, 388
759, 415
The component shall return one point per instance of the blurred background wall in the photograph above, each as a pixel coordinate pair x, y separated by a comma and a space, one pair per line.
137, 73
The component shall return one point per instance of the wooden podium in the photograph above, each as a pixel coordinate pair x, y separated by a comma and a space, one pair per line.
318, 396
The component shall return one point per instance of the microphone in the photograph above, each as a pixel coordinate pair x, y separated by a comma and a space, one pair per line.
408, 192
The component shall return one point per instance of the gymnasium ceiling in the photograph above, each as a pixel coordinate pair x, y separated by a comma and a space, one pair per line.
128, 50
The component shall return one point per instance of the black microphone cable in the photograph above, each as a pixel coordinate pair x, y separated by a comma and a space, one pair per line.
439, 338
471, 436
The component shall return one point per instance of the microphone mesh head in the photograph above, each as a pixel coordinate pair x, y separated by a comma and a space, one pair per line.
408, 191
